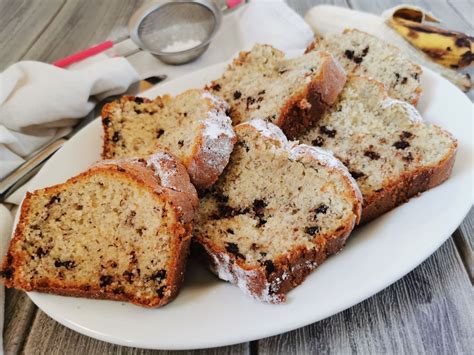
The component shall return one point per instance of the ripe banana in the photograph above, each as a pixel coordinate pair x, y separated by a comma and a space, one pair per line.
449, 48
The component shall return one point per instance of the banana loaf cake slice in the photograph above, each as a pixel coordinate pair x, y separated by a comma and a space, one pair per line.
291, 93
119, 231
365, 55
193, 126
276, 213
389, 150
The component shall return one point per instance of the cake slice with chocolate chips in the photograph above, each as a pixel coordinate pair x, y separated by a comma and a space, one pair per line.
291, 93
388, 149
119, 231
276, 213
365, 55
194, 126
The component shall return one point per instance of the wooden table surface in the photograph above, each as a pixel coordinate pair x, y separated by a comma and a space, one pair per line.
429, 311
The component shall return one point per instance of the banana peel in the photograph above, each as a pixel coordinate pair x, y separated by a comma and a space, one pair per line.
326, 19
449, 48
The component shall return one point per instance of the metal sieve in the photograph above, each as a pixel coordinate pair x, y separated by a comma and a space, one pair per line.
176, 31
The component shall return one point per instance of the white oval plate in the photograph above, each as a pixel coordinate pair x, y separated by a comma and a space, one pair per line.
209, 312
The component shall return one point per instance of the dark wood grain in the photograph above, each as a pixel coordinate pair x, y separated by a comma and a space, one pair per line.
21, 23
428, 312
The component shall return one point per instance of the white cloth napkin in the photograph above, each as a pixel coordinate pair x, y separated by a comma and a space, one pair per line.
39, 101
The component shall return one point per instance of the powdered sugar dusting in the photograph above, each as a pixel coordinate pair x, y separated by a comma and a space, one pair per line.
413, 114
164, 166
269, 130
228, 270
218, 134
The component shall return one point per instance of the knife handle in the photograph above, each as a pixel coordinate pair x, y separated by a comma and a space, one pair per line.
25, 171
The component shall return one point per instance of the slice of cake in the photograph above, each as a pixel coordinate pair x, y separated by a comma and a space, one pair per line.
275, 214
389, 150
291, 93
363, 54
193, 126
119, 231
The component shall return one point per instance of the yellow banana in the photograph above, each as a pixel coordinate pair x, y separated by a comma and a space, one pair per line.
449, 48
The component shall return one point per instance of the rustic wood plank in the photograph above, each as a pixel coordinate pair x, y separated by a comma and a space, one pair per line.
49, 337
82, 23
427, 312
22, 22
19, 313
464, 239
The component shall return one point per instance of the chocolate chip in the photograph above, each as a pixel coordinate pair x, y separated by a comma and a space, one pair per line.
118, 290
221, 197
401, 144
68, 264
408, 157
122, 170
216, 87
250, 101
258, 206
415, 76
237, 95
128, 276
282, 71
113, 264
405, 135
234, 249
356, 174
160, 133
358, 59
322, 208
365, 51
404, 80
230, 231
269, 266
372, 155
244, 145
40, 252
105, 280
159, 275
318, 142
331, 133
261, 92
106, 121
116, 137
311, 230
138, 100
180, 143
7, 273
263, 254
161, 291
54, 199
137, 111
185, 114
349, 54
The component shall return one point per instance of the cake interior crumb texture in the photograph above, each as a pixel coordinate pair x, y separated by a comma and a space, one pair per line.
101, 235
138, 128
382, 141
268, 205
262, 83
365, 55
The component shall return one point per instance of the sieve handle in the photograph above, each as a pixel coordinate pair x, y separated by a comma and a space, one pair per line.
232, 3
